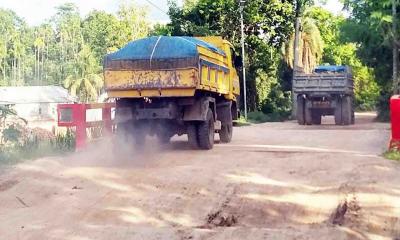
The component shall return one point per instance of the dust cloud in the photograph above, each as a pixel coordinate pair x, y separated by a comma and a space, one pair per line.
112, 152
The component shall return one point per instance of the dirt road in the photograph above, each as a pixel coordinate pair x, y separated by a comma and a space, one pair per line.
274, 181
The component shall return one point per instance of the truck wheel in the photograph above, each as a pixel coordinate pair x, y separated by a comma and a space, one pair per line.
164, 138
308, 114
139, 134
120, 145
206, 131
192, 133
346, 110
300, 110
316, 118
225, 134
338, 112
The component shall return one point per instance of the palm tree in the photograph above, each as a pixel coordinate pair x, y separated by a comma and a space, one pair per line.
310, 47
86, 83
87, 87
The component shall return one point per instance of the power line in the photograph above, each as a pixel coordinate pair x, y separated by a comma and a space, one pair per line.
154, 5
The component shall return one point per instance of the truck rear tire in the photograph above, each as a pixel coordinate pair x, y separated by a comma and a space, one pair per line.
346, 110
226, 132
163, 138
308, 114
316, 118
206, 131
192, 133
139, 133
338, 112
300, 110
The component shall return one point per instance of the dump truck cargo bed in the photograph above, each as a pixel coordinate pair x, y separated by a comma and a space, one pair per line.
341, 83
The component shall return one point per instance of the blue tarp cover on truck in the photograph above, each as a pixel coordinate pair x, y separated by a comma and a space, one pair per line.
158, 53
321, 69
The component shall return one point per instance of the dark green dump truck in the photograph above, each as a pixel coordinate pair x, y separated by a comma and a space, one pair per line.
329, 90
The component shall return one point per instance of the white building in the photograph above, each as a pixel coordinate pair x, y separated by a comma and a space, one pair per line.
35, 103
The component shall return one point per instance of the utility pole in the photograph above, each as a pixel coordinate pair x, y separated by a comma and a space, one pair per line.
296, 54
242, 2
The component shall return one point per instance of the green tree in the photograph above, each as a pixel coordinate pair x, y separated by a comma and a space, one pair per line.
267, 25
133, 22
310, 48
370, 27
339, 52
103, 32
88, 82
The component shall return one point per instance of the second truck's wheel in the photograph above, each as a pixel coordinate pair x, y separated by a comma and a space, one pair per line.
346, 110
316, 118
206, 131
308, 117
338, 112
300, 110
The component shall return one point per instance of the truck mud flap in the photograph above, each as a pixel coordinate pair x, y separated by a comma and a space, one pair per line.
198, 111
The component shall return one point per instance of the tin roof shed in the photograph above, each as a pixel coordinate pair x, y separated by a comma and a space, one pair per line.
34, 94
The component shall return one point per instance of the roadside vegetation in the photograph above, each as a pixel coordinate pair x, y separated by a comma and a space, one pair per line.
18, 142
392, 155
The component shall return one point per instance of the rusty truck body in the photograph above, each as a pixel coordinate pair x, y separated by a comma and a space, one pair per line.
165, 86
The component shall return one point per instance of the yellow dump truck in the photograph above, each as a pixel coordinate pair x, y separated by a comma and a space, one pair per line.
174, 85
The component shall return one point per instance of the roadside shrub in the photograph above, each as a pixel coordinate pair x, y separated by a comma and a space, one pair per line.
11, 134
64, 142
260, 117
34, 143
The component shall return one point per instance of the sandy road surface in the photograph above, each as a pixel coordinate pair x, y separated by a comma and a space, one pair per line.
274, 181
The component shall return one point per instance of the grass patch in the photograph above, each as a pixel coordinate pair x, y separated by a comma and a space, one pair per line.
392, 155
260, 117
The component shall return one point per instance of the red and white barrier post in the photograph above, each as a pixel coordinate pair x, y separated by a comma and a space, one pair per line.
74, 115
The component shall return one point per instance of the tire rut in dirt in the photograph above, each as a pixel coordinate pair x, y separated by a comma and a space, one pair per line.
223, 215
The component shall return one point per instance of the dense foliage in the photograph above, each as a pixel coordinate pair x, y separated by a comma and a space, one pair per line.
267, 26
66, 50
370, 26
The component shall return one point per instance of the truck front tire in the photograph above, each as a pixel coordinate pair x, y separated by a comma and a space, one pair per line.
206, 131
